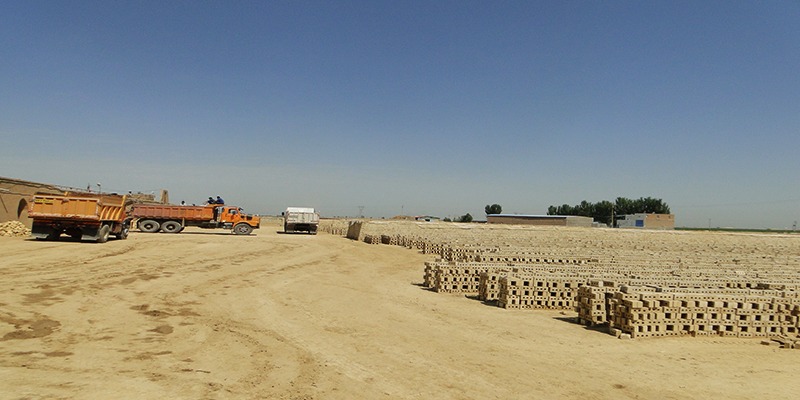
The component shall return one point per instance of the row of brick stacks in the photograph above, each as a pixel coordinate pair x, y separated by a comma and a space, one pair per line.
657, 312
638, 283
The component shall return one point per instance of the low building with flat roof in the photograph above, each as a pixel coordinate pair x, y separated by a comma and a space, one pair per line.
540, 220
646, 221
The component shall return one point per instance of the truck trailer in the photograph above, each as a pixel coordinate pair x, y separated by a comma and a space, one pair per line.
173, 218
82, 216
300, 219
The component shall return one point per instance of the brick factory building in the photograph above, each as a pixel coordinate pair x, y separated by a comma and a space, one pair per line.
646, 221
541, 220
15, 195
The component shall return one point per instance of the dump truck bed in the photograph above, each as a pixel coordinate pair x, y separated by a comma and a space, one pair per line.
79, 208
188, 213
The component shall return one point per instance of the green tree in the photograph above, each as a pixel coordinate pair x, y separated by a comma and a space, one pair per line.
494, 209
605, 210
464, 218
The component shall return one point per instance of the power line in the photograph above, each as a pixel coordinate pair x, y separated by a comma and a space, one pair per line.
751, 203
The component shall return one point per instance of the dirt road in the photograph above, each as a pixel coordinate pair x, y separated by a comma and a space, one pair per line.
207, 315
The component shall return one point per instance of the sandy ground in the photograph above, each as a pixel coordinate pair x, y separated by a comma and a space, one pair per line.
207, 315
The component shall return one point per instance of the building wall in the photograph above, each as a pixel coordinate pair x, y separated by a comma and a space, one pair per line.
15, 196
660, 221
569, 220
647, 221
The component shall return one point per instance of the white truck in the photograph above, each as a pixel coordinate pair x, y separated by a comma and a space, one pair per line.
300, 219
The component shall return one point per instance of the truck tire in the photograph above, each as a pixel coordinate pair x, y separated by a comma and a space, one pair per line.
102, 234
171, 227
74, 233
123, 231
242, 229
149, 226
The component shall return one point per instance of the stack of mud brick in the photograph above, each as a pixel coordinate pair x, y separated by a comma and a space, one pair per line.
457, 277
411, 242
522, 258
431, 268
535, 290
372, 239
657, 312
489, 283
462, 253
390, 239
591, 301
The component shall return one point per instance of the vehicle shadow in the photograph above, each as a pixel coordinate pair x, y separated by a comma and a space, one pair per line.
193, 233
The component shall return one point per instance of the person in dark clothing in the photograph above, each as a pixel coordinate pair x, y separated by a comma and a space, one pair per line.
211, 201
220, 201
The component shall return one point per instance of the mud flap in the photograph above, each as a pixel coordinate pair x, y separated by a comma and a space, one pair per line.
90, 234
41, 231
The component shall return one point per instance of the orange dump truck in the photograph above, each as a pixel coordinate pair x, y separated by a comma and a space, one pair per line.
83, 216
172, 219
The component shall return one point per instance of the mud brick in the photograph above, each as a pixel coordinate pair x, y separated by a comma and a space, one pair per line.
673, 311
650, 303
702, 326
635, 334
633, 303
697, 333
759, 331
700, 314
773, 329
665, 303
671, 329
626, 294
650, 296
715, 304
789, 330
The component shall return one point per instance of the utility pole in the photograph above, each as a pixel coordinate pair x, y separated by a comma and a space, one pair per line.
361, 211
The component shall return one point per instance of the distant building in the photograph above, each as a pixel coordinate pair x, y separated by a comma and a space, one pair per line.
541, 220
15, 196
646, 221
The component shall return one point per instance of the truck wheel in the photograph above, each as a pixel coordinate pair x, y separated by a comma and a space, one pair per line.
171, 227
54, 235
149, 226
242, 229
102, 234
123, 233
74, 233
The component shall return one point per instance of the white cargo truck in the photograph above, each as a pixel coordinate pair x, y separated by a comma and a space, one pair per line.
300, 219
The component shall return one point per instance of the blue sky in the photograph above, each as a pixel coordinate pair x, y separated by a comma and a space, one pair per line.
413, 107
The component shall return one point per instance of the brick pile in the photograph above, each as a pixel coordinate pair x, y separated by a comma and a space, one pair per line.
658, 312
14, 228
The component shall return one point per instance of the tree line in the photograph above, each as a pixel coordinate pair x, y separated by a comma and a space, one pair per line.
604, 211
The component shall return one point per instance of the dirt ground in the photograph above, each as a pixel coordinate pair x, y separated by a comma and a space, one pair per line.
208, 315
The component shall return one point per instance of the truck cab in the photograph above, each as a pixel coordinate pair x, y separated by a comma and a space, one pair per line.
233, 217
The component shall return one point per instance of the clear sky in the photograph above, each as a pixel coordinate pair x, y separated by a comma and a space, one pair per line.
413, 107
